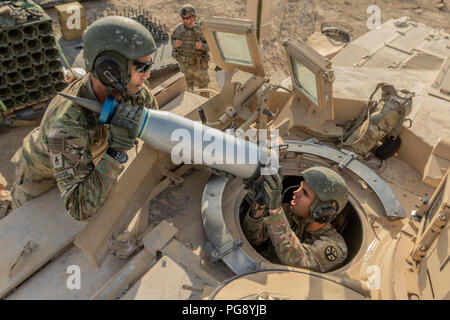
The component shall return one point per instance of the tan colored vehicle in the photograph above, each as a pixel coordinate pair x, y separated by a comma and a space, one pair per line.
184, 239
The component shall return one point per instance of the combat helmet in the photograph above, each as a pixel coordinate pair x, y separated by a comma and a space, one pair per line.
331, 191
187, 9
111, 44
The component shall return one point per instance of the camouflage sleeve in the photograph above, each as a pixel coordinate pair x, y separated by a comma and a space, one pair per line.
322, 255
83, 186
327, 253
176, 32
174, 36
204, 43
254, 229
5, 203
286, 243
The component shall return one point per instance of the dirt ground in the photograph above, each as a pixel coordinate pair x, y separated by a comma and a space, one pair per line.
285, 24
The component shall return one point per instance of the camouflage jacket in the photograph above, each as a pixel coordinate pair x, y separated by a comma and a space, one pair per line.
187, 53
322, 250
69, 148
5, 203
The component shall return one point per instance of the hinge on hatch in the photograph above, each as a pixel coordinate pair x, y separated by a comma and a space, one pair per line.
349, 158
217, 254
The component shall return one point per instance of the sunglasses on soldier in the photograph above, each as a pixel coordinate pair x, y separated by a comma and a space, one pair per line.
142, 67
186, 17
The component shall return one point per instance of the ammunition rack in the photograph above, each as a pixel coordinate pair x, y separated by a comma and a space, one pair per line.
30, 70
158, 30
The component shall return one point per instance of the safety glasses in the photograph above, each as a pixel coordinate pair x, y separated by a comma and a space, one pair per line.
143, 67
186, 17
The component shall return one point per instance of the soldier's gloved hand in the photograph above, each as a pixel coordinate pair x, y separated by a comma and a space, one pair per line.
269, 191
124, 126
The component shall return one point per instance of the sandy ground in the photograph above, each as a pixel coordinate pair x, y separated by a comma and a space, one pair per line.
285, 24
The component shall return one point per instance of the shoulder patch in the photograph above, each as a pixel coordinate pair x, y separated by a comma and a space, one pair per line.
331, 253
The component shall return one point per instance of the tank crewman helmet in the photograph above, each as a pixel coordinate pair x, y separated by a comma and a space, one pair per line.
111, 44
331, 191
187, 9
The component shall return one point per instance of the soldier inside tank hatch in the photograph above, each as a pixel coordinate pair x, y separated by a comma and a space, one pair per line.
191, 50
70, 149
300, 231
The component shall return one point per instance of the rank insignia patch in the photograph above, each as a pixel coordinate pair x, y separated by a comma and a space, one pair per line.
57, 161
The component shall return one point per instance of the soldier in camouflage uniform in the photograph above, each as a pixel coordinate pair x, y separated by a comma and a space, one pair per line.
5, 198
70, 149
300, 232
191, 50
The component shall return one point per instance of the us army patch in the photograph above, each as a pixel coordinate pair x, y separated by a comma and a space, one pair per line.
57, 144
68, 173
331, 253
57, 160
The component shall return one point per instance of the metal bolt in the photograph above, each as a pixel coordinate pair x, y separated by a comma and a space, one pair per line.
425, 198
421, 247
441, 217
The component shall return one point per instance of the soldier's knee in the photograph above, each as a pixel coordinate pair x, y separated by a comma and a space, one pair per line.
203, 83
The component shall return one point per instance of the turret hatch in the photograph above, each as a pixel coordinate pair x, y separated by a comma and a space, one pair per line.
233, 44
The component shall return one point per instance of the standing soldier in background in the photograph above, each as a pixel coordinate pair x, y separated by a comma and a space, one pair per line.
191, 50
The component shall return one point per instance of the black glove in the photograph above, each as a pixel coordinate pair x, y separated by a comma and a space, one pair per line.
269, 191
120, 156
124, 126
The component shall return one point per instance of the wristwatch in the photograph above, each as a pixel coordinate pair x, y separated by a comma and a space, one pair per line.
119, 156
260, 207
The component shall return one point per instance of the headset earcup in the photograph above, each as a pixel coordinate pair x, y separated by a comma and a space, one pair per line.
109, 73
324, 213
